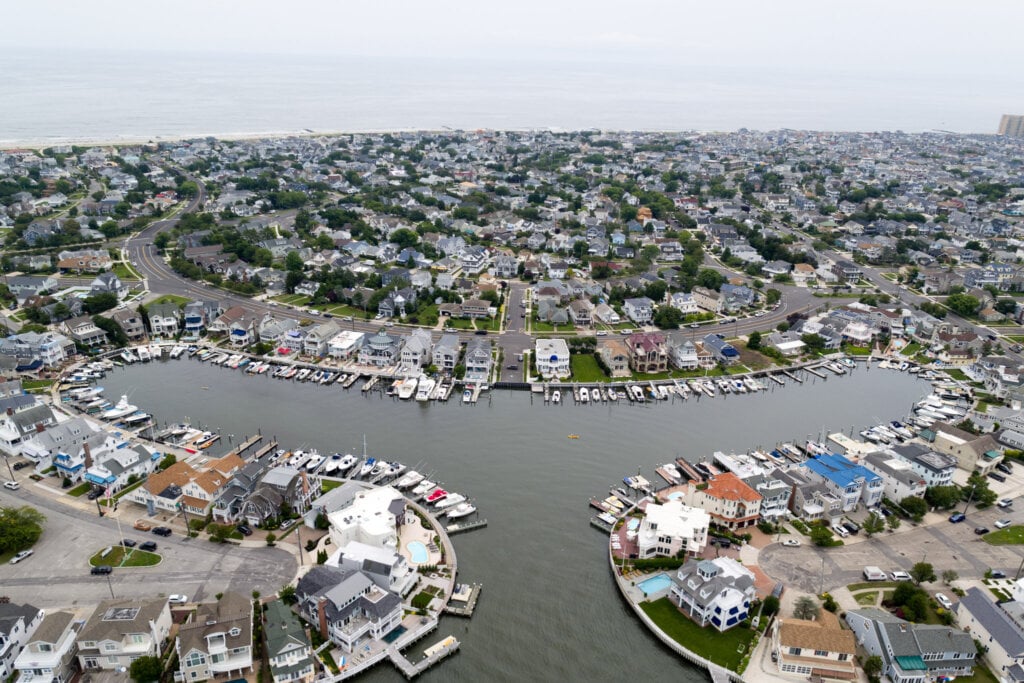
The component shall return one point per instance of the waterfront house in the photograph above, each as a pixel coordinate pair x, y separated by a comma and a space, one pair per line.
682, 354
728, 499
164, 319
50, 653
278, 332
17, 624
288, 648
810, 499
647, 352
775, 495
113, 468
371, 516
346, 606
937, 469
84, 331
714, 592
130, 322
197, 314
345, 344
972, 452
42, 447
479, 360
386, 567
615, 355
552, 358
108, 283
803, 648
999, 627
317, 337
279, 487
670, 529
121, 631
913, 653
898, 477
445, 355
16, 427
722, 351
227, 322
380, 350
416, 349
35, 349
640, 310
854, 484
218, 641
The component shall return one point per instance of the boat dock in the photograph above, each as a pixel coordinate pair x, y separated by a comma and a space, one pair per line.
433, 655
471, 593
350, 380
465, 526
371, 382
778, 380
793, 377
599, 523
246, 445
266, 448
815, 372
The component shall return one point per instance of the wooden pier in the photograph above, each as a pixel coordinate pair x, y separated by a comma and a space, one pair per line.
470, 602
598, 523
371, 382
465, 526
350, 380
246, 445
442, 650
266, 448
814, 372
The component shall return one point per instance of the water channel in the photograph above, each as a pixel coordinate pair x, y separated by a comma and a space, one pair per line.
549, 610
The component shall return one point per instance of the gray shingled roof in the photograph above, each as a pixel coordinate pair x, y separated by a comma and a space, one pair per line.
998, 623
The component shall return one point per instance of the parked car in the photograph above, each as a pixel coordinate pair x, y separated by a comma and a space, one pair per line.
851, 527
997, 476
997, 574
244, 530
791, 543
129, 543
981, 530
162, 531
1005, 503
21, 556
900, 575
957, 517
1002, 523
101, 569
95, 493
12, 485
22, 465
1005, 467
480, 332
177, 599
149, 546
944, 601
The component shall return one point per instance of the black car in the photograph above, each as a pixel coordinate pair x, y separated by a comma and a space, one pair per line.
981, 530
129, 543
161, 531
148, 545
1005, 467
851, 527
94, 494
481, 332
244, 530
996, 574
21, 465
997, 476
101, 569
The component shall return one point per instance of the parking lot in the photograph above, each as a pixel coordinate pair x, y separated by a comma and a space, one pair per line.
57, 574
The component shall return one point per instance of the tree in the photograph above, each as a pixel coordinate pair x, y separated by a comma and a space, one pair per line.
813, 342
978, 492
821, 536
922, 572
943, 497
168, 460
963, 304
287, 595
949, 576
115, 333
146, 669
20, 528
805, 608
293, 261
903, 592
772, 296
667, 317
872, 667
770, 606
915, 507
754, 340
271, 538
97, 303
893, 522
874, 524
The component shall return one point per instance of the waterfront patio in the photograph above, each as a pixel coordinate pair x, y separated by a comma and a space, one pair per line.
412, 530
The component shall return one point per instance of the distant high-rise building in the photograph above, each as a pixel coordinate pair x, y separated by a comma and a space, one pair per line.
1012, 125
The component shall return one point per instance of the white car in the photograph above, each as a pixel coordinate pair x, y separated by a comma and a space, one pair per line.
177, 599
900, 576
791, 543
944, 601
1002, 523
12, 485
1005, 503
20, 556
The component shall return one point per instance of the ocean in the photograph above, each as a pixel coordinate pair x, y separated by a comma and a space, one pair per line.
87, 96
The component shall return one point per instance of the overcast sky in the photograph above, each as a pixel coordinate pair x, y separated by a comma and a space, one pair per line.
933, 37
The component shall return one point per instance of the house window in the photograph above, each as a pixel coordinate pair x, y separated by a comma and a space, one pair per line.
195, 659
112, 659
843, 656
109, 647
794, 651
234, 632
45, 647
821, 653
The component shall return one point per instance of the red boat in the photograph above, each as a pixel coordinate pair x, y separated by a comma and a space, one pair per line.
436, 495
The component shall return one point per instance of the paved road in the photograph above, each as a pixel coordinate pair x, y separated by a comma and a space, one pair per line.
57, 574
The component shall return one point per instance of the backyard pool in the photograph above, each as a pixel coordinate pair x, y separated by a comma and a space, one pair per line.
655, 584
633, 524
675, 495
417, 552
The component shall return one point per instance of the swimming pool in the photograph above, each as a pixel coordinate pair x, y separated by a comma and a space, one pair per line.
418, 552
675, 495
633, 524
655, 584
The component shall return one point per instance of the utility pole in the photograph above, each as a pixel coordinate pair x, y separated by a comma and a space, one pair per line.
7, 459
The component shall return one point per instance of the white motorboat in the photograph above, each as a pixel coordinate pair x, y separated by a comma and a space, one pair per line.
143, 353
346, 463
379, 468
367, 467
407, 388
423, 487
410, 479
331, 466
395, 469
136, 418
613, 395
556, 396
451, 500
467, 396
584, 395
426, 386
315, 461
461, 510
120, 409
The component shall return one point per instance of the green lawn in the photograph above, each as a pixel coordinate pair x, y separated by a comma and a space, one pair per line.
33, 384
726, 649
911, 349
172, 299
868, 598
292, 299
119, 557
585, 368
328, 485
1011, 535
857, 350
958, 374
80, 490
125, 272
981, 675
853, 587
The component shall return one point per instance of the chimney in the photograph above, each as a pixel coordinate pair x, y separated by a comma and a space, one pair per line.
40, 428
10, 411
88, 455
321, 613
305, 484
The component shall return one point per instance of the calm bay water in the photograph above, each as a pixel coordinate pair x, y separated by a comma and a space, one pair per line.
73, 95
549, 610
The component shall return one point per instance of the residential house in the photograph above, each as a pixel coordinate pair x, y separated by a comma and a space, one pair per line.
682, 301
640, 310
84, 331
581, 312
670, 529
504, 266
476, 308
380, 350
552, 358
385, 566
708, 299
804, 648
854, 484
345, 344
347, 606
721, 351
445, 355
714, 592
728, 499
474, 260
682, 354
736, 297
279, 487
936, 469
647, 352
288, 649
197, 314
164, 319
278, 332
130, 322
25, 286
972, 452
108, 283
42, 447
17, 625
804, 274
479, 360
898, 476
218, 641
999, 627
317, 337
49, 656
23, 425
34, 350
913, 653
615, 356
606, 314
121, 631
847, 271
84, 260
